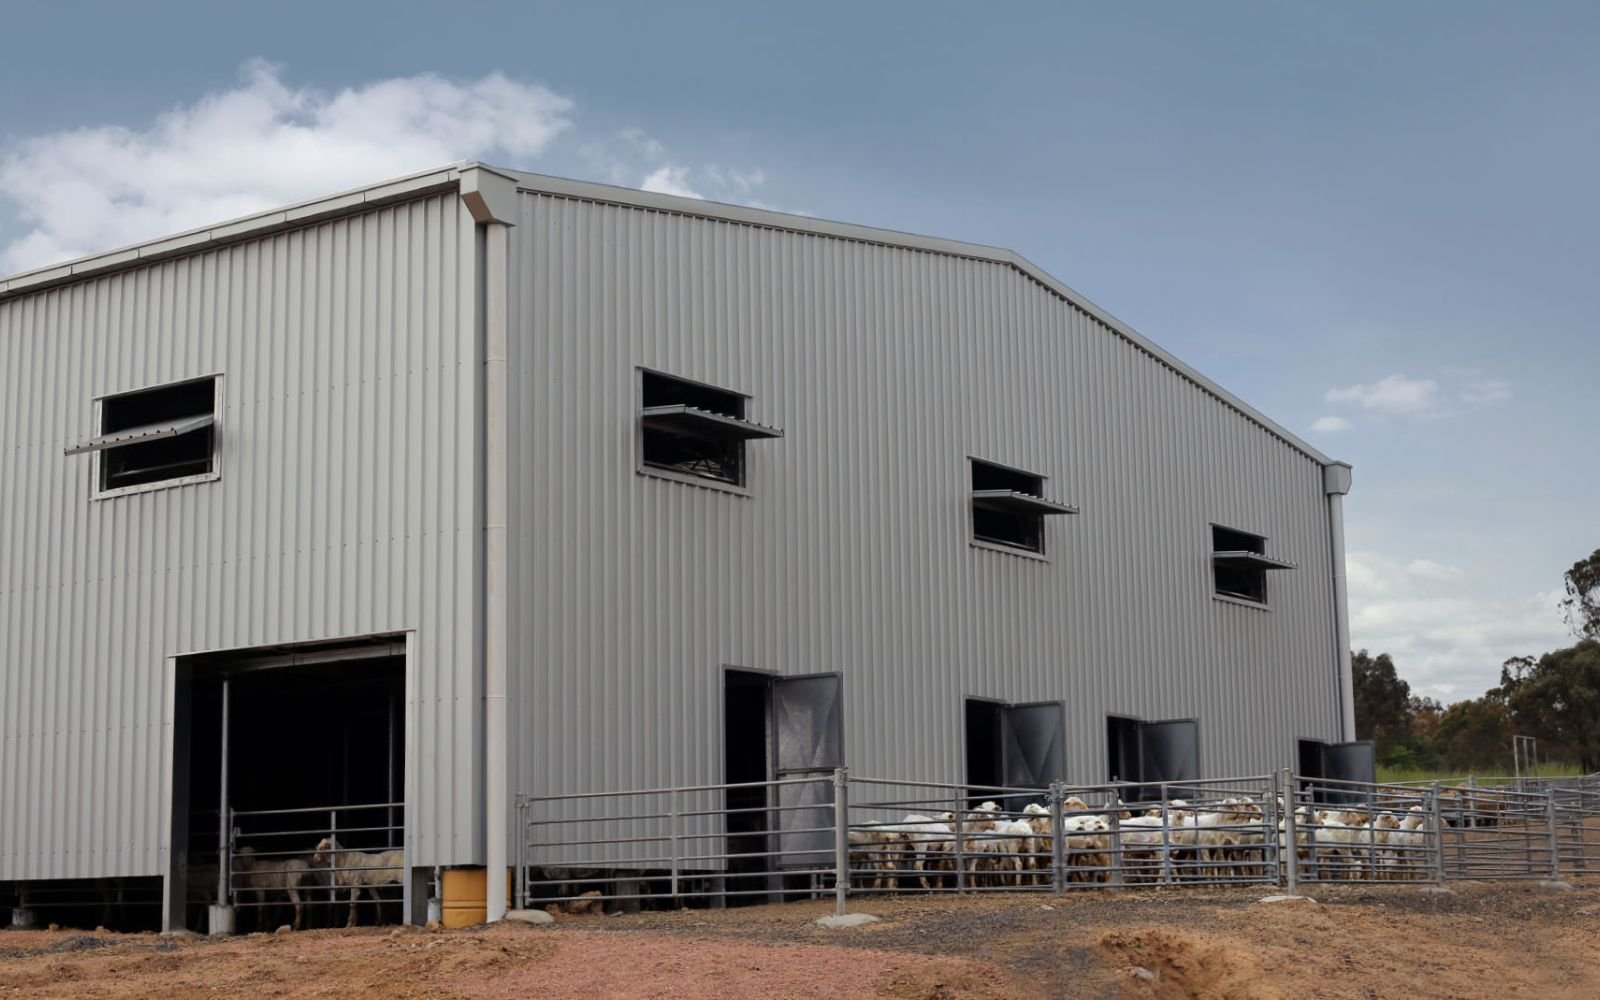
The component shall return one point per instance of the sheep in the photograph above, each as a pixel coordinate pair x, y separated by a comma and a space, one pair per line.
870, 850
1012, 840
260, 876
924, 840
358, 870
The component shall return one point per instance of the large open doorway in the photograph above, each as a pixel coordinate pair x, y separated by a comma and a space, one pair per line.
288, 778
779, 729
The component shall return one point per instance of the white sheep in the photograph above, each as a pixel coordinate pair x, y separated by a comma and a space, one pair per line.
259, 877
359, 870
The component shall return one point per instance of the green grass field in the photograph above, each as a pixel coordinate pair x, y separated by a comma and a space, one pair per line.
1388, 774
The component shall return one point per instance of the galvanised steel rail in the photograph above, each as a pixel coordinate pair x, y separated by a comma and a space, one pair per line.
846, 835
272, 851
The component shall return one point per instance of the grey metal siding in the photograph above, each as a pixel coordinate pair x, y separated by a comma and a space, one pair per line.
347, 506
886, 367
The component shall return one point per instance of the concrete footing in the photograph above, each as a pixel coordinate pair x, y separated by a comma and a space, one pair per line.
1436, 890
834, 921
1556, 885
1285, 898
219, 920
22, 918
530, 917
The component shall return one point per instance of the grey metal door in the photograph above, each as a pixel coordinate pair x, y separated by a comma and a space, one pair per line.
1033, 755
808, 742
1354, 761
1169, 750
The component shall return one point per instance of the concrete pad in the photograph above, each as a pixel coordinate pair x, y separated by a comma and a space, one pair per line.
1556, 885
530, 917
1284, 898
848, 920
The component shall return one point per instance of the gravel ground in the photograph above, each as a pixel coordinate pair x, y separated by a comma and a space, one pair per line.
1513, 940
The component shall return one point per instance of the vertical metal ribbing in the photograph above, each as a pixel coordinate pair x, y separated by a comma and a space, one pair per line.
841, 839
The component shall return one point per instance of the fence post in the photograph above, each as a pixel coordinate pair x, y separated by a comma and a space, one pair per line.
673, 795
961, 853
520, 880
841, 839
1555, 837
1058, 841
1166, 838
1289, 843
1437, 822
1115, 813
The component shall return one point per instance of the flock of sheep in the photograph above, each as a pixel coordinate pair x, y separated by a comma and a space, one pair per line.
266, 881
1225, 840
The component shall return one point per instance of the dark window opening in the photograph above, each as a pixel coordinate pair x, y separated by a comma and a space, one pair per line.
173, 434
695, 430
1242, 580
1017, 527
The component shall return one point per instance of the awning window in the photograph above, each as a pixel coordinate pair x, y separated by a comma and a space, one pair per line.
1017, 502
680, 418
1250, 560
138, 435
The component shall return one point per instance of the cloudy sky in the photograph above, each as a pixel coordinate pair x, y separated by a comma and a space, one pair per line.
1376, 222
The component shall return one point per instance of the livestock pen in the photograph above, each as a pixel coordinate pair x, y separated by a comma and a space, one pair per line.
855, 836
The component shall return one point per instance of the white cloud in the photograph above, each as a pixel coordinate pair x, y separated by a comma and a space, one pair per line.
259, 144
1447, 637
1403, 396
1486, 393
1392, 395
1427, 569
670, 178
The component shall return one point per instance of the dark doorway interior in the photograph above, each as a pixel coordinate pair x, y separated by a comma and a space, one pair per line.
319, 738
985, 765
747, 757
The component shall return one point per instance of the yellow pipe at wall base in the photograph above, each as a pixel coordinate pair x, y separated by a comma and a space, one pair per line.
463, 897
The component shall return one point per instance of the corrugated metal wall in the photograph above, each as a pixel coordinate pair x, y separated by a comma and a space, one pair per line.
886, 367
347, 506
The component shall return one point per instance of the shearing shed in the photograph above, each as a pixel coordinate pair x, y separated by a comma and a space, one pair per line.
330, 531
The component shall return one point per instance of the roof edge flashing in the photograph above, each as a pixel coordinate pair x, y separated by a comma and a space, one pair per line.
229, 231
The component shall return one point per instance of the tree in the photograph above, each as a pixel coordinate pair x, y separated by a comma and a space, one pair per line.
1558, 701
1581, 607
1382, 701
1475, 735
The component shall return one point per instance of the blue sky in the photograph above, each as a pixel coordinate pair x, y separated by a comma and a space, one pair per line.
1375, 222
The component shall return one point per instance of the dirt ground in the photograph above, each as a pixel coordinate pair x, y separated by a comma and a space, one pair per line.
1510, 940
